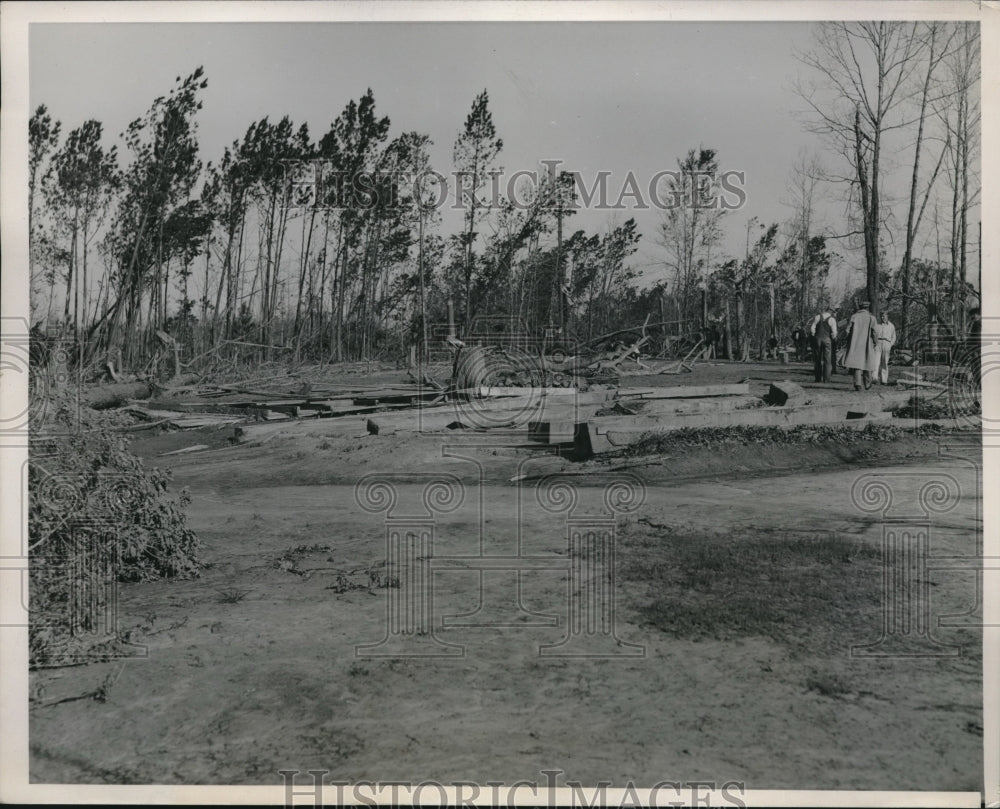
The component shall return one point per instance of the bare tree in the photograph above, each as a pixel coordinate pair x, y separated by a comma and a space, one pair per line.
937, 40
43, 137
961, 118
862, 70
691, 227
806, 174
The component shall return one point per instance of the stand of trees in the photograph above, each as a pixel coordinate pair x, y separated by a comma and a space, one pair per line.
276, 248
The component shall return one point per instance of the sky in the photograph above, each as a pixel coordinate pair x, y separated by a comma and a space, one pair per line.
618, 97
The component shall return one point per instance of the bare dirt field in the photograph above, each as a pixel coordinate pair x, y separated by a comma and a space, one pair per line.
741, 584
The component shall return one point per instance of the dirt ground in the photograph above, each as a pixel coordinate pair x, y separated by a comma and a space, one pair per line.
252, 668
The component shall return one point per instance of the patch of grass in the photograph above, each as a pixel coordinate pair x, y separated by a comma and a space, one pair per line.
232, 595
814, 591
343, 584
298, 550
828, 684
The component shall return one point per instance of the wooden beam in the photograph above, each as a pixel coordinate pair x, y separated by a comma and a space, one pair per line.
605, 433
686, 391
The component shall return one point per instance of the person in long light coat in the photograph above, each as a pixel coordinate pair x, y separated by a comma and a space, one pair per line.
860, 359
885, 339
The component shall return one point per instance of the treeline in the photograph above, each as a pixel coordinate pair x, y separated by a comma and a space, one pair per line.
243, 251
257, 253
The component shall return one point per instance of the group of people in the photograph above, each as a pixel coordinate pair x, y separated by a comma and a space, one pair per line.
868, 344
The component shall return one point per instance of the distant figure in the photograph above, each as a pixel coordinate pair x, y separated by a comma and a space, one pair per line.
885, 339
861, 341
772, 347
709, 338
823, 330
799, 341
839, 350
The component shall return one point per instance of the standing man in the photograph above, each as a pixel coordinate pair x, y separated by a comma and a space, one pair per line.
885, 339
824, 332
839, 350
861, 341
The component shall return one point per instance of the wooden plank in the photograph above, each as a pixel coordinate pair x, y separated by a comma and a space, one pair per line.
185, 420
351, 426
195, 448
517, 402
687, 391
482, 416
919, 383
413, 422
648, 407
764, 416
629, 429
396, 397
590, 443
487, 392
525, 411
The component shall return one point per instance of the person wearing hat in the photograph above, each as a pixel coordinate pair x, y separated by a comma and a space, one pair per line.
861, 342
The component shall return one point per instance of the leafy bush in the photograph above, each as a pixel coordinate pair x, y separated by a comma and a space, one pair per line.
96, 515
